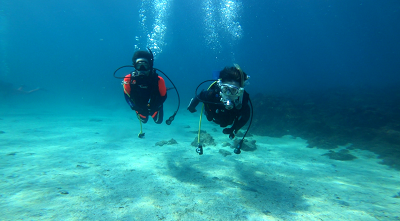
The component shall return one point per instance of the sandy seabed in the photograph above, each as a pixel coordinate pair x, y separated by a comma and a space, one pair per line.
94, 167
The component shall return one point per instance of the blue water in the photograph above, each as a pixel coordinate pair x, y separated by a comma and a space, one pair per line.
79, 121
71, 48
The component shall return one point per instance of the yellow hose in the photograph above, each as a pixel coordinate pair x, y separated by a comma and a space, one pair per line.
141, 134
201, 114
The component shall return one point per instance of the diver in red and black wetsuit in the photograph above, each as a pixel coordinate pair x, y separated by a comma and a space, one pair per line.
144, 90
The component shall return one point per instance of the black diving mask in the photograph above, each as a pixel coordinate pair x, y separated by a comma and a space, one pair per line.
142, 66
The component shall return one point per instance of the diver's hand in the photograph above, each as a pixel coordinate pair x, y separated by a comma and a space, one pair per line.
191, 109
192, 106
230, 131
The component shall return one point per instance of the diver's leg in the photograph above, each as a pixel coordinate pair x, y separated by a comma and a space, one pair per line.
142, 117
158, 116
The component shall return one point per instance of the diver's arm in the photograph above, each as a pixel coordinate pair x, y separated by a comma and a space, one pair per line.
157, 103
141, 109
192, 104
242, 119
129, 101
195, 101
243, 115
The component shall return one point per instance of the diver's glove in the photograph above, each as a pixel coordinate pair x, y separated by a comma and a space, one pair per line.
192, 106
230, 131
192, 110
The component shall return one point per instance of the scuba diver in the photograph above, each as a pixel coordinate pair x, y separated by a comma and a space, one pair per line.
225, 103
145, 90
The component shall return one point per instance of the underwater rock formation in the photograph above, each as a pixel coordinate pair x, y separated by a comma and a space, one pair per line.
246, 146
343, 155
205, 139
163, 142
224, 152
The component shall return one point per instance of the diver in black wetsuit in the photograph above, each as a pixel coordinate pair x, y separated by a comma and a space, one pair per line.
226, 101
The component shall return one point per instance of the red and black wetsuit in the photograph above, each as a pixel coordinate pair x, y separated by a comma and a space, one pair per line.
146, 95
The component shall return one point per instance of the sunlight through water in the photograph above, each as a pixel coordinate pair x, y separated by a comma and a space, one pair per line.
221, 19
153, 16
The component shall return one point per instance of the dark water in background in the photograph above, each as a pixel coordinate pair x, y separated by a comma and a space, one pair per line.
71, 48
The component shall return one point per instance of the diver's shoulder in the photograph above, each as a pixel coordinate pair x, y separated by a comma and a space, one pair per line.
246, 94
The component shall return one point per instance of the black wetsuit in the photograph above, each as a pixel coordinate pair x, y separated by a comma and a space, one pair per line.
216, 111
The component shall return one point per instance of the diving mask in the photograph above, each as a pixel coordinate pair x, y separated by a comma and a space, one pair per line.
142, 67
231, 95
230, 90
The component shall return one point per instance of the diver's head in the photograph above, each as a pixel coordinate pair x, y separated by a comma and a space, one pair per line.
143, 62
235, 74
231, 81
231, 85
231, 94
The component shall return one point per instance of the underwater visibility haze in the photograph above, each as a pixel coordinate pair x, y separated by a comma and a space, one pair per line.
324, 84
